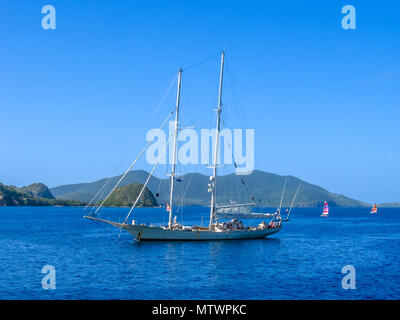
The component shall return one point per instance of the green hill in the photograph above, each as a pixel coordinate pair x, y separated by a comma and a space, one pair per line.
261, 187
125, 196
13, 196
38, 190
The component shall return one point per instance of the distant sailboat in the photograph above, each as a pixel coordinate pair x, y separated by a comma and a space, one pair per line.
374, 209
325, 212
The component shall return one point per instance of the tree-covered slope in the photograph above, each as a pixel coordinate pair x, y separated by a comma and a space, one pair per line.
261, 187
13, 196
125, 196
38, 190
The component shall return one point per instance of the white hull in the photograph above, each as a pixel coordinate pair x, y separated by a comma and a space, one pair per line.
158, 233
142, 232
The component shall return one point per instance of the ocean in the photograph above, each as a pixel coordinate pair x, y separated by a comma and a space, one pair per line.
94, 261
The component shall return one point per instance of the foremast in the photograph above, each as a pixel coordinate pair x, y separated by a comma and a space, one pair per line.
213, 182
171, 196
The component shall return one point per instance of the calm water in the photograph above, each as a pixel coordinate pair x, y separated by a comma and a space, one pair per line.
303, 261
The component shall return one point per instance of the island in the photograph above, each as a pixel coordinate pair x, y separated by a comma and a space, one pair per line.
126, 196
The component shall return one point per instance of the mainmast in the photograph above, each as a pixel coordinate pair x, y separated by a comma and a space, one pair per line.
214, 176
178, 95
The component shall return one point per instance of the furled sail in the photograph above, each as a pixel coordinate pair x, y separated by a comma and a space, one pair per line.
240, 208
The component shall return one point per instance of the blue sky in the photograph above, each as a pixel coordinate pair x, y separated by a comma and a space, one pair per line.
77, 101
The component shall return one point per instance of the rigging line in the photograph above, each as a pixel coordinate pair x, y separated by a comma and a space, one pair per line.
201, 61
95, 196
280, 205
183, 196
131, 147
234, 152
165, 96
236, 96
137, 158
294, 199
235, 164
283, 192
239, 110
158, 189
98, 196
188, 112
238, 189
147, 181
161, 179
151, 116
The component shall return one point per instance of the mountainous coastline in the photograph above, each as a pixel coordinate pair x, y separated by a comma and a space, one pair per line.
263, 188
36, 194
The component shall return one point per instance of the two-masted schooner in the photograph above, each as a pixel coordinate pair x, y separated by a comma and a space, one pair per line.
216, 230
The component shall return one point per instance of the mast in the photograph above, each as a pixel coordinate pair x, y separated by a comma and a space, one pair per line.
214, 176
178, 96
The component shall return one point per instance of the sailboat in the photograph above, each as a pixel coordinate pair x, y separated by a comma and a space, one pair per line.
374, 209
325, 211
216, 230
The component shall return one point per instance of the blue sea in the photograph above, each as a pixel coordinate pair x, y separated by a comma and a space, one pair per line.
95, 261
